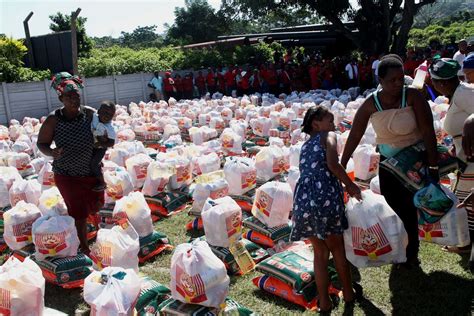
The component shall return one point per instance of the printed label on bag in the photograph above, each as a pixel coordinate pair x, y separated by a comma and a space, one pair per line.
197, 169
23, 164
162, 184
258, 129
227, 142
249, 179
17, 197
48, 178
233, 224
102, 256
182, 173
285, 122
22, 231
50, 243
192, 288
264, 202
115, 191
370, 242
121, 219
281, 164
219, 193
140, 170
429, 231
374, 163
5, 302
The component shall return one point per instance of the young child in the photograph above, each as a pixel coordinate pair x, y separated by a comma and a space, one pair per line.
318, 209
104, 137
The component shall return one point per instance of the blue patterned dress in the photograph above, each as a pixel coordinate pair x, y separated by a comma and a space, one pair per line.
318, 207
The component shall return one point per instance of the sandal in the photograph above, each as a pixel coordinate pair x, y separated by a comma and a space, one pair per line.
458, 250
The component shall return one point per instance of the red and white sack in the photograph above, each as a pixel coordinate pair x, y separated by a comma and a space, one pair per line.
51, 202
17, 224
126, 135
46, 175
239, 127
222, 224
116, 247
272, 161
293, 177
295, 151
241, 174
376, 235
55, 236
22, 147
366, 162
170, 130
37, 164
231, 142
118, 156
273, 203
22, 288
217, 123
135, 209
183, 172
157, 178
8, 175
119, 184
137, 166
21, 162
451, 230
261, 126
198, 276
25, 190
212, 185
206, 163
112, 291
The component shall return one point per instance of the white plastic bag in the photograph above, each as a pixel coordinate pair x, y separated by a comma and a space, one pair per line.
17, 224
366, 162
51, 202
206, 164
241, 174
231, 141
375, 185
21, 288
222, 224
376, 235
137, 167
112, 291
198, 276
293, 177
8, 175
55, 236
134, 208
273, 203
21, 161
271, 161
46, 175
212, 185
116, 247
183, 175
25, 190
119, 184
295, 151
158, 176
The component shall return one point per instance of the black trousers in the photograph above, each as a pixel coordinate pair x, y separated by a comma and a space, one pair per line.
400, 200
96, 161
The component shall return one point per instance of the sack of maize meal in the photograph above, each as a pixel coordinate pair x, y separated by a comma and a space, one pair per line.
263, 235
116, 247
166, 204
112, 291
272, 161
273, 203
25, 190
55, 236
21, 288
241, 174
152, 294
376, 235
152, 245
198, 276
18, 222
135, 209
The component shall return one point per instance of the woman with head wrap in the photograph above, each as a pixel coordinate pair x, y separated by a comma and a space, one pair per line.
70, 129
401, 118
444, 75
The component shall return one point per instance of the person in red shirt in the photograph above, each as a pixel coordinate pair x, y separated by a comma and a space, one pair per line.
168, 86
272, 79
178, 83
245, 82
211, 81
285, 80
314, 73
256, 81
365, 74
229, 77
188, 86
220, 80
201, 83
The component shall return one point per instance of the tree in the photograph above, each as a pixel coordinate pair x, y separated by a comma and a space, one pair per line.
383, 24
141, 37
196, 22
104, 41
62, 22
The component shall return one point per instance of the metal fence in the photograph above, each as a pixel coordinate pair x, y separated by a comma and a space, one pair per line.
35, 99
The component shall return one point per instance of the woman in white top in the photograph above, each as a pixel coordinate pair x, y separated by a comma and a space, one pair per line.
444, 75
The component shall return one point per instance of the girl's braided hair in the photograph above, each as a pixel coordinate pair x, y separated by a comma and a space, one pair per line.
317, 112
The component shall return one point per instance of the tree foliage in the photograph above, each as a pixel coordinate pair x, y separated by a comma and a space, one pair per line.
141, 37
436, 32
383, 24
62, 22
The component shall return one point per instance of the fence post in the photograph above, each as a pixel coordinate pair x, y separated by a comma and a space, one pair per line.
116, 96
143, 86
6, 101
48, 95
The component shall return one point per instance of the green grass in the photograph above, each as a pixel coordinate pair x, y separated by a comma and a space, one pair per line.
443, 286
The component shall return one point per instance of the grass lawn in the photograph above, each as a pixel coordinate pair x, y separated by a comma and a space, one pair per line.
443, 286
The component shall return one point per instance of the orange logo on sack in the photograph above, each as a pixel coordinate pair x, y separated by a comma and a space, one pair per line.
102, 256
370, 242
249, 179
233, 224
22, 231
219, 193
428, 231
182, 173
50, 243
115, 191
15, 198
264, 202
227, 142
281, 164
192, 288
23, 164
140, 170
48, 178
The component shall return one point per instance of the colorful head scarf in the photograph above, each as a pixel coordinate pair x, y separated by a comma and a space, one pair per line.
444, 69
63, 82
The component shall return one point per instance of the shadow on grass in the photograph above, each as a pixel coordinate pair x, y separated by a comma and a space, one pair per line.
275, 300
64, 300
438, 293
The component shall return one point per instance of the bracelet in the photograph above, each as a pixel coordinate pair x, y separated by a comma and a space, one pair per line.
433, 168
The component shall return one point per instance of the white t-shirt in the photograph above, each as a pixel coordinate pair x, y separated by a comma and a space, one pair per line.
350, 68
459, 57
375, 66
100, 129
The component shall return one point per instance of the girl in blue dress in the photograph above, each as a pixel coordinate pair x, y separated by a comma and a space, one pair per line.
318, 208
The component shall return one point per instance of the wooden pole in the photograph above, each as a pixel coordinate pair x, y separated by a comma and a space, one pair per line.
31, 56
74, 40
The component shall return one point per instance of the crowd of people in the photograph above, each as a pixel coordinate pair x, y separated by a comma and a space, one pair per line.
294, 72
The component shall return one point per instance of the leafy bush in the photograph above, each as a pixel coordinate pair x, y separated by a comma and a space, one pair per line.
441, 33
